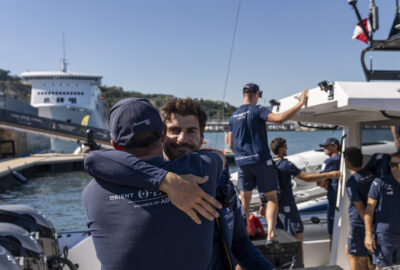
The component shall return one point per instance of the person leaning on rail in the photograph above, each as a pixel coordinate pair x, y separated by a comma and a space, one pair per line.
288, 215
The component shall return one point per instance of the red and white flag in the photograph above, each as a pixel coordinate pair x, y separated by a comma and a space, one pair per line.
359, 33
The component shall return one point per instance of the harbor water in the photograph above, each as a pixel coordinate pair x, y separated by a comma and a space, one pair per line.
58, 195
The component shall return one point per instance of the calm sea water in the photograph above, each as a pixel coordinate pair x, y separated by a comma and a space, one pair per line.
58, 196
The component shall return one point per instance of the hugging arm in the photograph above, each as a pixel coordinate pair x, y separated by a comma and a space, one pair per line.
128, 170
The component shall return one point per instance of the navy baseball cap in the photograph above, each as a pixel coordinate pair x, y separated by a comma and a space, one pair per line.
329, 141
252, 88
131, 117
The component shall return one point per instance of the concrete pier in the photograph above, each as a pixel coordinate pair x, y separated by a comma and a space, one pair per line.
28, 166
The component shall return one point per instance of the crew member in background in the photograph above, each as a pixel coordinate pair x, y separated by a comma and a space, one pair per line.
140, 228
383, 210
357, 185
185, 121
248, 140
289, 217
331, 148
396, 136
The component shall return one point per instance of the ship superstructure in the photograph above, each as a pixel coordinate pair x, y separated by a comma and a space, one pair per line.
68, 96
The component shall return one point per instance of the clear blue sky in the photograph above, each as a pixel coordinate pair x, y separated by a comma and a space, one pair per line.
181, 47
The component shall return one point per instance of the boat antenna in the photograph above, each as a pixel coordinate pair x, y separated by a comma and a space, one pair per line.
64, 59
370, 63
230, 59
396, 22
373, 15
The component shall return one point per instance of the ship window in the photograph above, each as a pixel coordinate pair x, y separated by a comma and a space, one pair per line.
67, 84
72, 100
82, 93
52, 93
63, 93
60, 100
46, 100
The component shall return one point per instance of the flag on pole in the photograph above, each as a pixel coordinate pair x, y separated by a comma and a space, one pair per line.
359, 33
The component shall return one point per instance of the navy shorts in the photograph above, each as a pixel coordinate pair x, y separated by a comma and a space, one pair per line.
289, 219
355, 242
331, 210
387, 250
261, 175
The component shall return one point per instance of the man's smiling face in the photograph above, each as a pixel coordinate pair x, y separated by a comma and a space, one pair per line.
183, 136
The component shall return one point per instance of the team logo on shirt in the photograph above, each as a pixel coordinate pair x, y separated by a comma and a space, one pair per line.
142, 198
240, 116
389, 190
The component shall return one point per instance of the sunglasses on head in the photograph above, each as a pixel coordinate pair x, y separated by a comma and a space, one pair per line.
395, 165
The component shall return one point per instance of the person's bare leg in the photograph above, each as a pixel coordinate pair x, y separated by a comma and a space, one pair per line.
352, 261
300, 237
271, 213
245, 198
362, 263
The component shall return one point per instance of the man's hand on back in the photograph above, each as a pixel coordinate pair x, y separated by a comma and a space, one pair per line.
186, 195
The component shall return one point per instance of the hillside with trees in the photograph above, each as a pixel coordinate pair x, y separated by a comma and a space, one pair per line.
13, 86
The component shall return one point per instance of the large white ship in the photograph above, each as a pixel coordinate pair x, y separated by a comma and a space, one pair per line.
68, 96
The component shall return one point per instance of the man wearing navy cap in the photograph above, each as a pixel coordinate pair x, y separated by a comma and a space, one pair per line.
139, 228
331, 148
383, 239
248, 139
185, 121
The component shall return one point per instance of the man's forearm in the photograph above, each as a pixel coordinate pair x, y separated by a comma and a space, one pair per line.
368, 219
127, 170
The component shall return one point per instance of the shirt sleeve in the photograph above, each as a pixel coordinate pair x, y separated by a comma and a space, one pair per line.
352, 190
375, 189
292, 169
247, 255
263, 112
122, 168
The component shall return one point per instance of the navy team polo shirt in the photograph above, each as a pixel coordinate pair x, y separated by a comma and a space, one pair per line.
358, 186
136, 228
249, 134
287, 170
379, 165
387, 193
330, 165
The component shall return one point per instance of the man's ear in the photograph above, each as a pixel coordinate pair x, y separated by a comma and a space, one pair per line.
201, 140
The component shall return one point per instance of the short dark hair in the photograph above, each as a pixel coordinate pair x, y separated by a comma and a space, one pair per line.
277, 143
184, 106
354, 156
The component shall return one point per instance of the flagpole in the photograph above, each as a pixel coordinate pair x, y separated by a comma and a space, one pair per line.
360, 20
